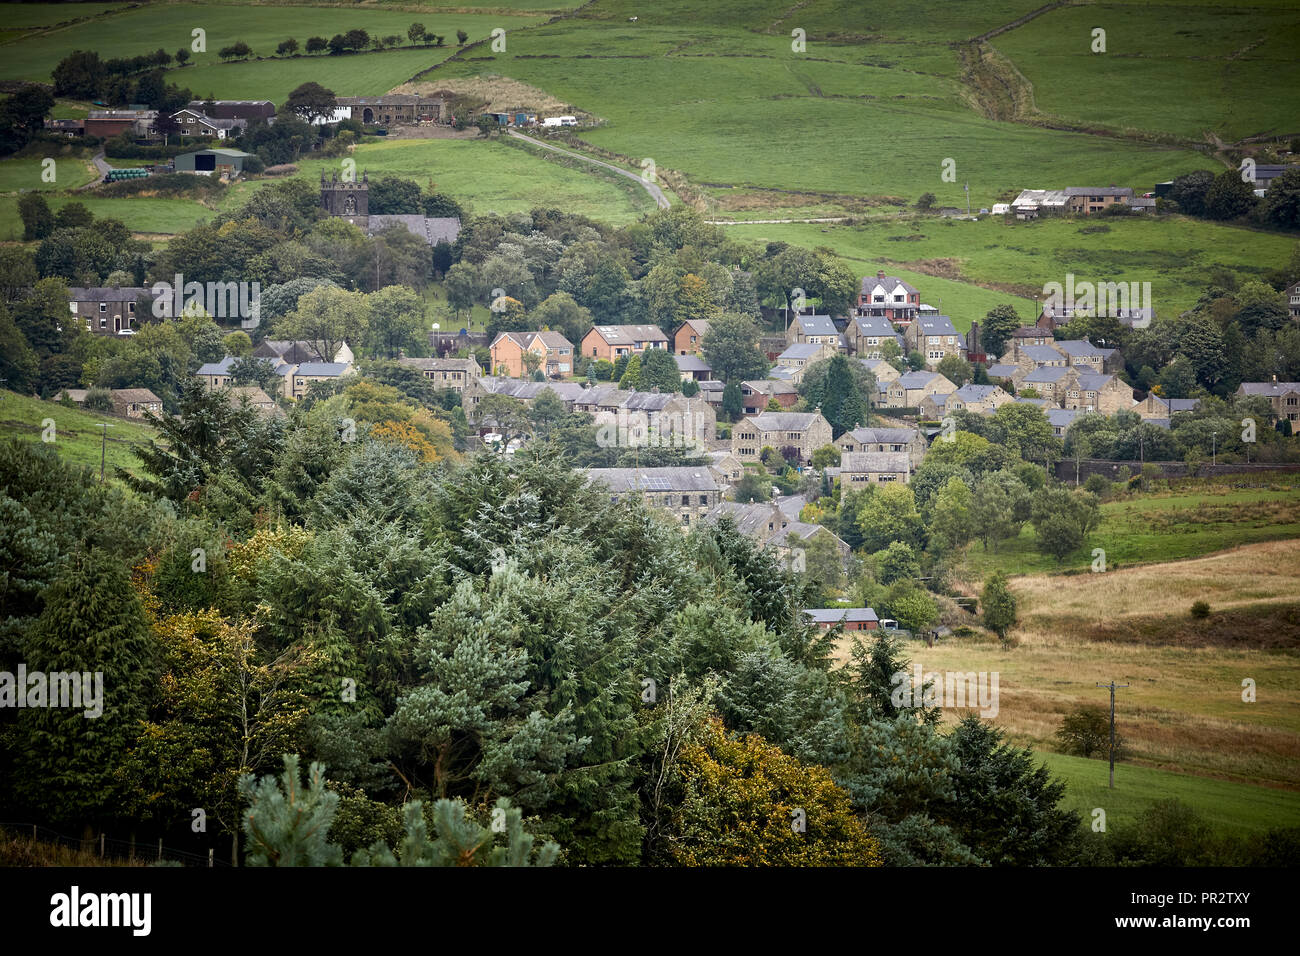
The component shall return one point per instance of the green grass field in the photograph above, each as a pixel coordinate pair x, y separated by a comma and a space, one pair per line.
734, 107
30, 16
76, 435
147, 27
1164, 527
1017, 258
496, 177
23, 174
1236, 65
1230, 807
143, 215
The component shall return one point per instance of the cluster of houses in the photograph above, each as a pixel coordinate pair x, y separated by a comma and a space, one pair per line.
222, 119
296, 364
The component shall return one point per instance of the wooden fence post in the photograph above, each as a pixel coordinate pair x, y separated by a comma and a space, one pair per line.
209, 858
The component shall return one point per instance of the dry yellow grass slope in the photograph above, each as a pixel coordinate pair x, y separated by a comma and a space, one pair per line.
1183, 709
499, 92
1249, 575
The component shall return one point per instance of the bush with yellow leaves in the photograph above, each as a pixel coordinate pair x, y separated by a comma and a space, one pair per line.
746, 803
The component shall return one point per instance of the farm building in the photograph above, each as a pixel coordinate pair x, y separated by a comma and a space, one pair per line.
234, 109
393, 109
853, 618
207, 162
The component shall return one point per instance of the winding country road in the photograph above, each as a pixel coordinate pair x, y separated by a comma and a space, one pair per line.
101, 167
655, 192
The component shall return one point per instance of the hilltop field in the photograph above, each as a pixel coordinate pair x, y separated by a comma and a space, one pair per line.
859, 121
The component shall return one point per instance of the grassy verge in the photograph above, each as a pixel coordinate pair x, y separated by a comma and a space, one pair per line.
76, 436
1229, 807
1166, 526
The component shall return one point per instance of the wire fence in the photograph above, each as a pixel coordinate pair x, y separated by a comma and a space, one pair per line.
143, 852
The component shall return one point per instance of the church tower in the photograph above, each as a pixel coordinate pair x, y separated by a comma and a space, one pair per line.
346, 199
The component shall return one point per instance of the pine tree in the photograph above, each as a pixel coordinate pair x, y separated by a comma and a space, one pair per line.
632, 374
842, 404
92, 622
288, 824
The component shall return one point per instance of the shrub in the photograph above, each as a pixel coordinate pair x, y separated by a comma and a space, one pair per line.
746, 803
1200, 610
98, 400
1086, 731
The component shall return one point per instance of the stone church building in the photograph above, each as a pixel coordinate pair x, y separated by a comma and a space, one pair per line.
350, 200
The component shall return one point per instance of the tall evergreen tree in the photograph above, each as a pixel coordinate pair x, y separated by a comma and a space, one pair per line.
68, 757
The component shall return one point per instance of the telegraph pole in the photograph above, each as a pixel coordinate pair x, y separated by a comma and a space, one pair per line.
1111, 686
103, 445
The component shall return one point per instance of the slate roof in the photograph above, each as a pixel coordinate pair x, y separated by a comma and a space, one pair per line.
1269, 388
1046, 373
691, 363
784, 421
899, 436
1093, 381
432, 230
800, 531
654, 479
876, 325
141, 396
1098, 191
889, 282
791, 505
751, 517
1062, 417
919, 379
1001, 371
871, 461
323, 369
936, 325
768, 386
800, 350
1076, 348
108, 293
253, 393
440, 364
223, 367
1042, 353
816, 324
977, 393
